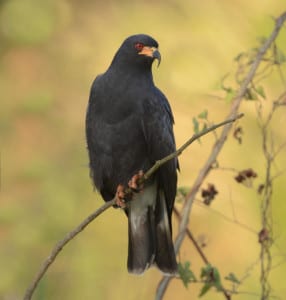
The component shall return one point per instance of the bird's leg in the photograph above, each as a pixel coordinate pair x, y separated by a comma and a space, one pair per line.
120, 196
124, 195
134, 183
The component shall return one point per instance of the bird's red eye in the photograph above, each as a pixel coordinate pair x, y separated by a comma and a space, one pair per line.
139, 46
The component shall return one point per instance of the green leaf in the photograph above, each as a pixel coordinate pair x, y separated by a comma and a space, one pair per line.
205, 289
216, 279
231, 277
260, 91
186, 274
250, 95
210, 275
205, 271
183, 190
203, 114
230, 93
239, 56
280, 56
205, 127
196, 125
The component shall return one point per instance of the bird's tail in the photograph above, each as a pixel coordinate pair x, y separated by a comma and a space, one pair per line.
150, 237
165, 257
141, 244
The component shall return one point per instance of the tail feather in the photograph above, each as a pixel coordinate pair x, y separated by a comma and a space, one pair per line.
141, 243
141, 234
165, 257
150, 233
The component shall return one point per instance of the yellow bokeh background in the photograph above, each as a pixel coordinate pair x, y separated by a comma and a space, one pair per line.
50, 52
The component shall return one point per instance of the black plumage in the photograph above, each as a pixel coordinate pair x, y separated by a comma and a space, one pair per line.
129, 125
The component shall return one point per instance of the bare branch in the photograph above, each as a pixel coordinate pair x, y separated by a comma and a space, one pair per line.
195, 137
201, 253
226, 218
218, 145
191, 237
216, 149
57, 249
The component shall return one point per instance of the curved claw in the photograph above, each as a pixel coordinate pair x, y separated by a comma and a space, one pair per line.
124, 195
119, 196
133, 182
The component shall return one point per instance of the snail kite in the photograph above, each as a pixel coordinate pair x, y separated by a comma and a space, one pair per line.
129, 125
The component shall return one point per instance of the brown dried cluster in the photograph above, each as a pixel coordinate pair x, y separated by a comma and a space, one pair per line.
209, 194
245, 175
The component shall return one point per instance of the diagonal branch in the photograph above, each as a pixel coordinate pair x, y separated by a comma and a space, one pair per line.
217, 147
72, 234
59, 246
200, 251
195, 137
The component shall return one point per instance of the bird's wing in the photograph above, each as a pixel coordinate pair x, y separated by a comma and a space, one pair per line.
99, 151
158, 131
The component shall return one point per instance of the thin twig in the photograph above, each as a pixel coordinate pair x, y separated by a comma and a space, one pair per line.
195, 137
226, 218
201, 253
218, 145
191, 237
56, 250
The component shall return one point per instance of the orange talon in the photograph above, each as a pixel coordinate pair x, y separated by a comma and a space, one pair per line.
119, 197
133, 182
123, 195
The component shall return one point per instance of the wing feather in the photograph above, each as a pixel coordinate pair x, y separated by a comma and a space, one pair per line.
158, 131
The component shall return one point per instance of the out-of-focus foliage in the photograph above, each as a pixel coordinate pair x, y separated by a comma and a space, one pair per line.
50, 51
28, 21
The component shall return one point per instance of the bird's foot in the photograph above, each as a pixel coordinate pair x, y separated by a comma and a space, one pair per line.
120, 196
124, 195
134, 183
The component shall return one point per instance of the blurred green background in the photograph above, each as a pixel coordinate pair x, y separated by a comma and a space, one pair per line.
50, 52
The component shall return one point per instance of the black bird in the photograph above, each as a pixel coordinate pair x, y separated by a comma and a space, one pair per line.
129, 125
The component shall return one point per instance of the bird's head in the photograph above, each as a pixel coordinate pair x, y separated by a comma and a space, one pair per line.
138, 50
